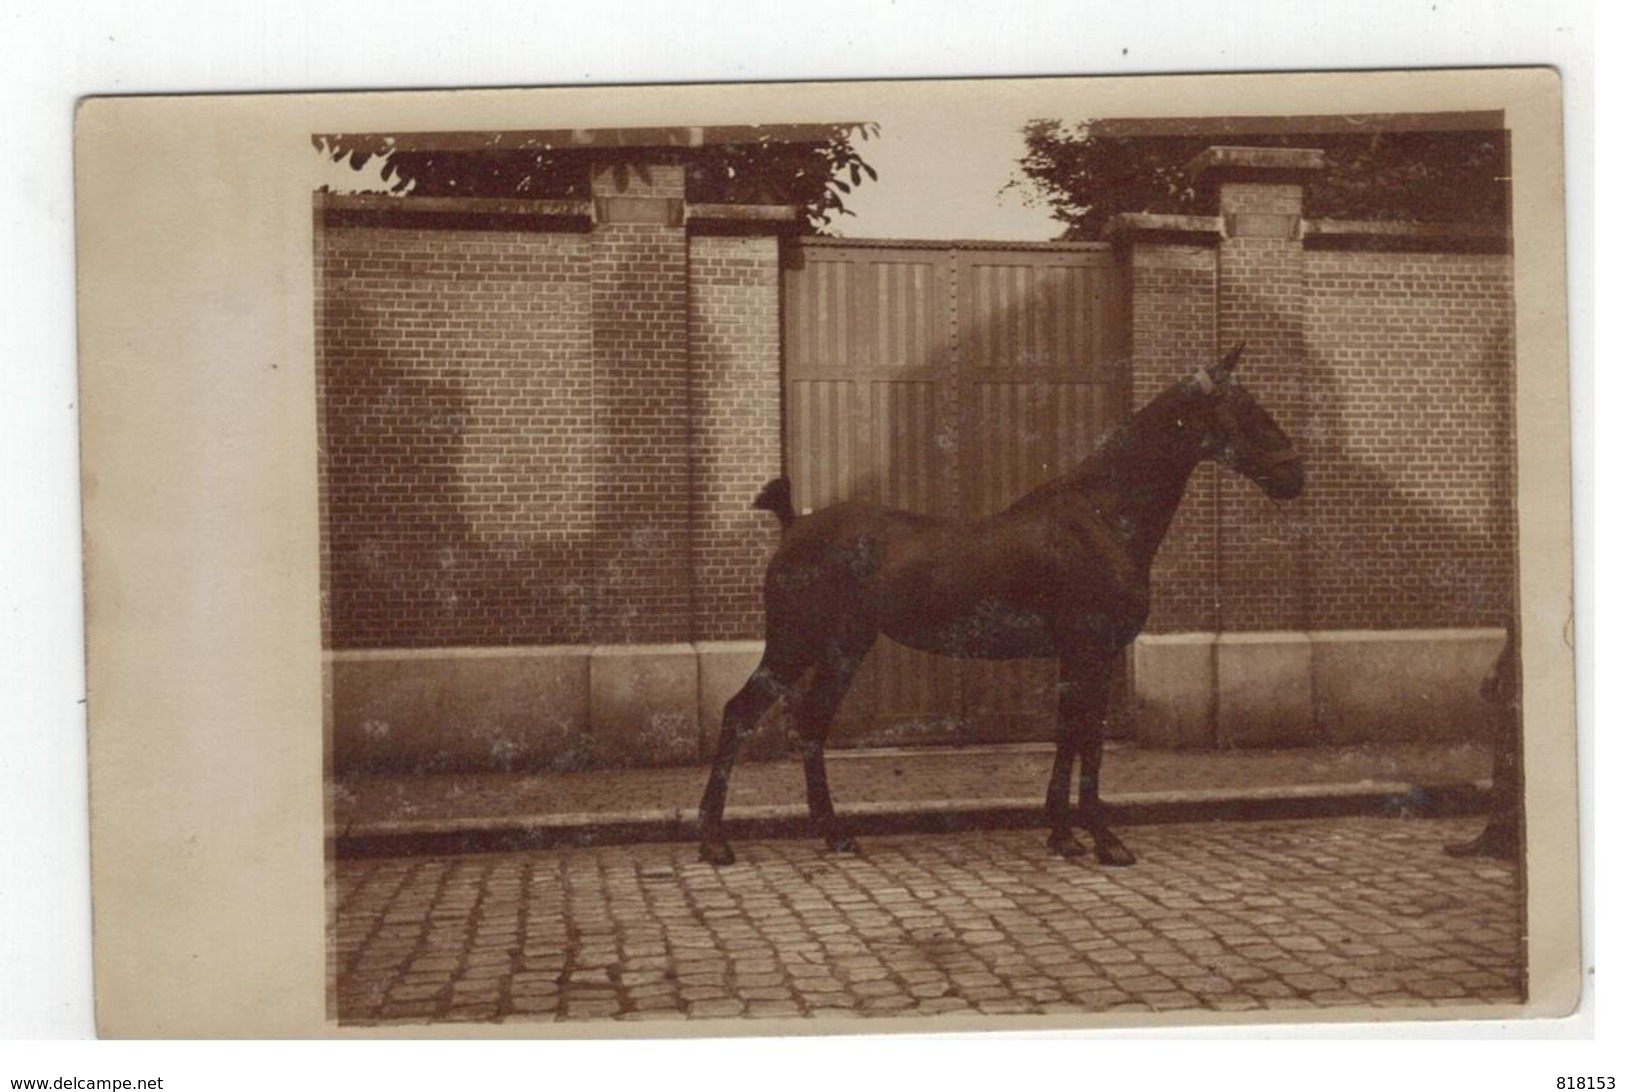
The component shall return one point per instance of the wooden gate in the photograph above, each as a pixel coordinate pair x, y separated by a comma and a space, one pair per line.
947, 378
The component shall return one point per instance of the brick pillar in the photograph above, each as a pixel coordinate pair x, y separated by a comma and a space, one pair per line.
641, 421
1172, 273
1172, 287
1263, 663
1258, 192
734, 347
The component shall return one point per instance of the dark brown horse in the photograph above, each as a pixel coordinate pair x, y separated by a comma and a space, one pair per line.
1064, 572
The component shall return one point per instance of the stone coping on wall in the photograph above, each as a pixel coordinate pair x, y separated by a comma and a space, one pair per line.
1227, 157
757, 213
379, 209
506, 206
580, 706
1131, 227
1405, 235
1127, 228
384, 210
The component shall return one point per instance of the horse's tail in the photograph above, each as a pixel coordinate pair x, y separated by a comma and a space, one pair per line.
775, 498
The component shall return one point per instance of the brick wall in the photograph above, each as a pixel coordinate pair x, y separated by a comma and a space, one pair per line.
1261, 303
1392, 370
1408, 437
455, 404
535, 438
545, 438
641, 490
734, 348
1172, 295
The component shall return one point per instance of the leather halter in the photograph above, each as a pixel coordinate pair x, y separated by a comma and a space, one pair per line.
1288, 454
1262, 463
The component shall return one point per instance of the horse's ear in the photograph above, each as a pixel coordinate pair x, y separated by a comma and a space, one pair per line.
1228, 364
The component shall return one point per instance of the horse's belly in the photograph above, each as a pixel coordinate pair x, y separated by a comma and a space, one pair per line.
987, 630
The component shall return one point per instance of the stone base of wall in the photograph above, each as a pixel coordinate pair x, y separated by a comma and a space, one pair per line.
430, 710
581, 707
724, 667
559, 707
1331, 687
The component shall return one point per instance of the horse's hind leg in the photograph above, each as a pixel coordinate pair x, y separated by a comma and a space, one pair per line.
813, 715
767, 684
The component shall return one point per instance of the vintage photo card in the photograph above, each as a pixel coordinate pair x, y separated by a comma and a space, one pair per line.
852, 557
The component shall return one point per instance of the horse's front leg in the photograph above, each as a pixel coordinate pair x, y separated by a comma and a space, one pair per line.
1084, 695
1109, 849
1057, 801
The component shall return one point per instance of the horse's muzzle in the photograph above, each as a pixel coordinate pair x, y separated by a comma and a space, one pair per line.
1285, 480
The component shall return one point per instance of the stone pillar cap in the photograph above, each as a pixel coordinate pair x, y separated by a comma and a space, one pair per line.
1223, 159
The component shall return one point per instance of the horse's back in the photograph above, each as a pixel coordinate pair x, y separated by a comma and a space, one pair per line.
852, 522
830, 562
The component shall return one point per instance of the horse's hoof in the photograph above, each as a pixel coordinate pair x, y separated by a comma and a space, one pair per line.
1109, 851
716, 853
843, 843
1064, 845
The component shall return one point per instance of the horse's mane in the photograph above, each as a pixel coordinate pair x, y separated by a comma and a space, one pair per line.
1116, 461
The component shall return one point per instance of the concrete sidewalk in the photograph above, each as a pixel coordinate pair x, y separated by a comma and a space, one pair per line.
897, 791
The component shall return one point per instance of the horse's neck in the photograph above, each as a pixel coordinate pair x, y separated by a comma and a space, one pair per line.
1135, 482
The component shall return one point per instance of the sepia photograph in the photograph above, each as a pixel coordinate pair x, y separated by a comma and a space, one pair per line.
853, 558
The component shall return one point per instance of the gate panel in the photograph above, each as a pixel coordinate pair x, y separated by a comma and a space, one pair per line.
824, 430
1045, 380
915, 696
1018, 436
908, 313
950, 380
868, 381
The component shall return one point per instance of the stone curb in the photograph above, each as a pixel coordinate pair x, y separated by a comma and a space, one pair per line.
499, 834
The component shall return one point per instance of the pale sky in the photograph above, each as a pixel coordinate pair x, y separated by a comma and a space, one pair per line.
965, 179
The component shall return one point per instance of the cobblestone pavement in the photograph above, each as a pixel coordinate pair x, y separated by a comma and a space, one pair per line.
1217, 916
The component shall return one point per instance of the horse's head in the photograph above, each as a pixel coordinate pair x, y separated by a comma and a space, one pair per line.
1243, 436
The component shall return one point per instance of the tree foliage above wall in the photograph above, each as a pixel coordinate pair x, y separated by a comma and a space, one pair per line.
813, 174
1087, 174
